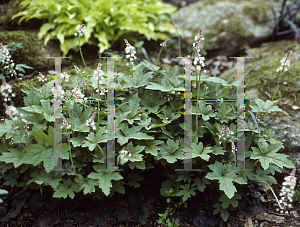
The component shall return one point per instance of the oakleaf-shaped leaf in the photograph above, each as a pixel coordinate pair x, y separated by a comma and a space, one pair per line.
77, 141
87, 184
165, 88
124, 133
226, 201
205, 111
266, 154
33, 98
93, 139
171, 151
200, 185
148, 103
137, 165
224, 175
219, 209
225, 113
261, 106
198, 151
151, 147
138, 79
186, 192
43, 151
66, 188
134, 180
14, 156
7, 128
40, 176
104, 179
263, 176
135, 152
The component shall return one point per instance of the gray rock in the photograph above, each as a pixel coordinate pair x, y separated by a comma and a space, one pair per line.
228, 26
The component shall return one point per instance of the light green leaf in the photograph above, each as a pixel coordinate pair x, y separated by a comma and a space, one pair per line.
45, 28
165, 88
77, 141
7, 129
225, 113
261, 106
43, 151
266, 154
14, 156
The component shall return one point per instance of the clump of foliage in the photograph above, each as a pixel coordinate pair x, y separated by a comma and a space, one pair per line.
149, 131
106, 21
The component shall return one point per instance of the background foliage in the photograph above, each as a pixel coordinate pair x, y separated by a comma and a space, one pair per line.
106, 22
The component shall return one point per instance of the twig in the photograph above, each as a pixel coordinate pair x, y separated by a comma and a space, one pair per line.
271, 212
237, 218
24, 77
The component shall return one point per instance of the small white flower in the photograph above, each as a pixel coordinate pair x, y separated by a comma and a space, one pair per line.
125, 155
65, 76
80, 29
130, 52
41, 77
284, 63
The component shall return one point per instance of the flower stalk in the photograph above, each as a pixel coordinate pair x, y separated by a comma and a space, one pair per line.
81, 30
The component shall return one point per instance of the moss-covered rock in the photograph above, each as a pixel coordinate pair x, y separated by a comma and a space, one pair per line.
263, 78
30, 54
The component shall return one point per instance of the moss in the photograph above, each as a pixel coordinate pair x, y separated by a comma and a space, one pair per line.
205, 2
264, 77
257, 12
235, 27
8, 24
30, 54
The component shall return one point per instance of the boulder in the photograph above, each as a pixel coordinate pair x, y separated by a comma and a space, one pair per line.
228, 26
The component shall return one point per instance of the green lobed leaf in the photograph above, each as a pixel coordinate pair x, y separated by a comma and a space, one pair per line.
224, 176
104, 178
226, 201
261, 106
66, 188
266, 154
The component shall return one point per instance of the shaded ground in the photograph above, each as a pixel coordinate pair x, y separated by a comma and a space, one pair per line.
143, 204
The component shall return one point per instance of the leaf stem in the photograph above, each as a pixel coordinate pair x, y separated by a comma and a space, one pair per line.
274, 194
70, 152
